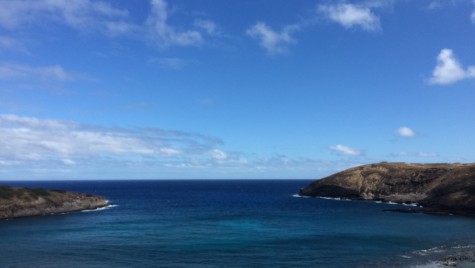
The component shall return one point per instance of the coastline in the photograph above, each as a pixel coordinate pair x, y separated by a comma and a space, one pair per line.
441, 188
28, 202
457, 256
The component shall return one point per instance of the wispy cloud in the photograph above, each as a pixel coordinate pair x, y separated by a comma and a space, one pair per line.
163, 34
449, 70
11, 44
406, 132
218, 154
166, 35
81, 15
472, 16
345, 150
272, 41
210, 27
171, 63
434, 5
49, 148
104, 17
10, 71
32, 139
351, 15
439, 4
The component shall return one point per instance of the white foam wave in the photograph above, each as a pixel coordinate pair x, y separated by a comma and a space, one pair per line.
300, 196
101, 208
395, 203
346, 199
425, 252
333, 198
411, 204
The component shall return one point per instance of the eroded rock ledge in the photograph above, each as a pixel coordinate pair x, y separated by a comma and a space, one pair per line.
437, 187
23, 202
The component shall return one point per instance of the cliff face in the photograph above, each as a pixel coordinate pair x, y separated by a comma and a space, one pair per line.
22, 202
437, 187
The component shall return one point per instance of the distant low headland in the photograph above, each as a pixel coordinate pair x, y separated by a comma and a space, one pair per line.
439, 188
24, 202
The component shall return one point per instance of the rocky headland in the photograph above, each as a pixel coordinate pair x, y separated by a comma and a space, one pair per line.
23, 202
438, 188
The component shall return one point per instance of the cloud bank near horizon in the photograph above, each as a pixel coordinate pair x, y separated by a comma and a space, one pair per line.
38, 140
47, 146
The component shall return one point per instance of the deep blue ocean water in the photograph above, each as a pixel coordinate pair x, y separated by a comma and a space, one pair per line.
226, 223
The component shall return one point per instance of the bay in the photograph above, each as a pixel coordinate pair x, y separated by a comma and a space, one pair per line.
226, 223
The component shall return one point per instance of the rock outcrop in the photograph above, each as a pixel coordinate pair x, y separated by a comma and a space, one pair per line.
23, 202
437, 187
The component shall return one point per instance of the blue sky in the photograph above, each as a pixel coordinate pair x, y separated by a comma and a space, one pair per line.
162, 89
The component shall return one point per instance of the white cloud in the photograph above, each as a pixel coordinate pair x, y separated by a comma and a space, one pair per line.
43, 148
449, 70
349, 15
164, 34
406, 132
68, 161
345, 150
218, 154
78, 14
434, 5
19, 71
208, 26
104, 17
170, 151
274, 42
33, 139
472, 16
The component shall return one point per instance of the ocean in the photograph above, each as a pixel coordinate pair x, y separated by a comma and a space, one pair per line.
227, 223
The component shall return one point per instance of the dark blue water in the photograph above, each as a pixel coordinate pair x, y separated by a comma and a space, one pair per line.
235, 223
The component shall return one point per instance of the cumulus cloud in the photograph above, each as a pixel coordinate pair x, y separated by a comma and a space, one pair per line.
449, 70
350, 15
33, 139
406, 132
272, 41
345, 150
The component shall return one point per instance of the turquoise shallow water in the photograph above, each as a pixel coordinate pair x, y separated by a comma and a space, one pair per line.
219, 223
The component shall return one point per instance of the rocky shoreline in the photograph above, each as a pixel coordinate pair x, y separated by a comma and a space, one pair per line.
25, 202
465, 258
438, 188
